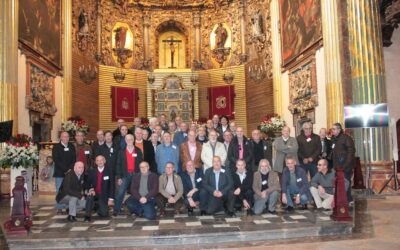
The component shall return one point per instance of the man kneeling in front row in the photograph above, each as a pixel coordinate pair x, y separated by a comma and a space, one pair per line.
100, 186
144, 188
70, 192
219, 186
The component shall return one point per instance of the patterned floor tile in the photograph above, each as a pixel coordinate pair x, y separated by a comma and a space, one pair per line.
325, 218
221, 225
298, 217
57, 225
167, 221
46, 208
39, 222
42, 214
101, 222
78, 229
229, 220
193, 224
269, 216
206, 217
124, 225
150, 228
261, 222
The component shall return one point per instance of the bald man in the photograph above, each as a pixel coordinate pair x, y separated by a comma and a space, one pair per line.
70, 192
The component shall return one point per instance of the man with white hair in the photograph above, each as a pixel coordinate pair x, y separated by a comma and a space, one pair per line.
309, 149
284, 146
212, 148
153, 122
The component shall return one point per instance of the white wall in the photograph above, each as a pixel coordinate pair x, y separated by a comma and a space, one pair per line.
320, 110
23, 113
392, 67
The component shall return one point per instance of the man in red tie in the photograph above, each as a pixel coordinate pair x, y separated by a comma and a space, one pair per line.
309, 149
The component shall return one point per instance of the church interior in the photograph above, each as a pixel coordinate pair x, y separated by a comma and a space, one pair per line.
102, 61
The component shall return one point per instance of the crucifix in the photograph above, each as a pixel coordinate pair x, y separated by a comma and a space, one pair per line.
172, 49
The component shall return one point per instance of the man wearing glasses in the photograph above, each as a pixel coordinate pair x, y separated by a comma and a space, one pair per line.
309, 149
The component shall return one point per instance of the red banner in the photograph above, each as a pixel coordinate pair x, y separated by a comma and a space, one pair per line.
221, 100
124, 103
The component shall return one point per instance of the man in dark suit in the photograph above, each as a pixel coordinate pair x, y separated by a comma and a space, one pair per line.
243, 187
325, 144
144, 188
294, 182
120, 139
100, 186
223, 127
64, 158
309, 149
110, 151
192, 179
96, 145
240, 148
128, 162
117, 131
218, 184
262, 149
71, 191
146, 147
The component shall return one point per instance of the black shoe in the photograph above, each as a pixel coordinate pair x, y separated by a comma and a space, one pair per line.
87, 219
304, 207
272, 212
190, 211
71, 218
320, 209
202, 213
250, 212
289, 209
231, 214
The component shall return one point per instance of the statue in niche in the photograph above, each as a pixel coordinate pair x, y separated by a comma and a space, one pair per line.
173, 115
120, 37
83, 23
258, 24
221, 35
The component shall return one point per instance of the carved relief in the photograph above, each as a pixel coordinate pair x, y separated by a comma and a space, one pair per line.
83, 34
84, 16
303, 88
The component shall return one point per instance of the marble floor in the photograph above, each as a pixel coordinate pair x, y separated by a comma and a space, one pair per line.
375, 226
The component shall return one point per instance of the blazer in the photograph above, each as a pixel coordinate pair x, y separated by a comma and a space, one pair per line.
180, 138
273, 183
122, 168
111, 155
162, 157
149, 155
71, 185
309, 147
342, 152
96, 149
152, 186
221, 133
301, 177
185, 155
177, 183
282, 150
107, 182
64, 159
245, 186
207, 154
233, 154
326, 147
187, 183
267, 153
225, 183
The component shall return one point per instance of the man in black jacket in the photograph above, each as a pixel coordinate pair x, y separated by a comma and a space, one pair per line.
98, 143
192, 179
243, 187
128, 162
218, 184
64, 158
309, 149
100, 187
71, 191
262, 149
110, 151
240, 148
146, 147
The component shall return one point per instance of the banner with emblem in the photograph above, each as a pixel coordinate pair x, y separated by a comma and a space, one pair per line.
124, 103
221, 100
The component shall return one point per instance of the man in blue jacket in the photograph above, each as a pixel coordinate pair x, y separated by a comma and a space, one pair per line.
294, 182
167, 152
182, 135
192, 179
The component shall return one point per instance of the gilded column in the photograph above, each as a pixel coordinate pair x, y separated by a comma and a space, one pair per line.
197, 40
367, 73
276, 57
242, 12
146, 41
334, 92
67, 60
9, 62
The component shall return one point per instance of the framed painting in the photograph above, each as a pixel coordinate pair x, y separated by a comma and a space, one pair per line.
301, 28
39, 29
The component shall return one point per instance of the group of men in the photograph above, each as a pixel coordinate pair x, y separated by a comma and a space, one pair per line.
213, 167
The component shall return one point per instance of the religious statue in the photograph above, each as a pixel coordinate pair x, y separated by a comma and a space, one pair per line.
120, 37
47, 172
173, 115
258, 24
221, 35
83, 23
172, 48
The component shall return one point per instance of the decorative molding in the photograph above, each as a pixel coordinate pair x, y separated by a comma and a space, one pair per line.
303, 88
173, 77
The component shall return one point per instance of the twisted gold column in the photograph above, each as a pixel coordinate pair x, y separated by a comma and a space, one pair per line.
367, 72
9, 62
334, 90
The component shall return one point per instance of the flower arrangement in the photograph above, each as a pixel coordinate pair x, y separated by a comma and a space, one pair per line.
20, 151
201, 122
271, 124
73, 125
145, 122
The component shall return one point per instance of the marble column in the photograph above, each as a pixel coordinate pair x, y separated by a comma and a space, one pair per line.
276, 57
9, 62
67, 61
197, 40
332, 58
242, 18
367, 75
